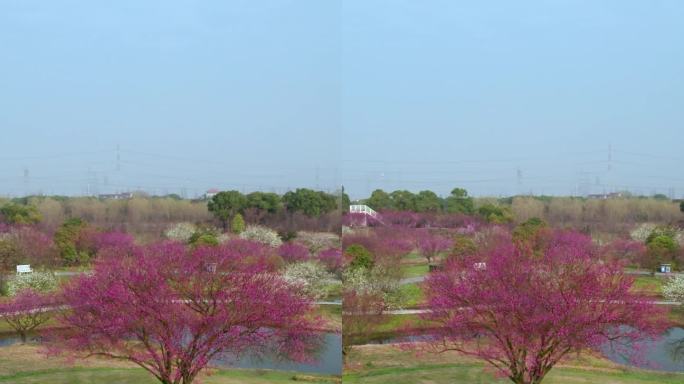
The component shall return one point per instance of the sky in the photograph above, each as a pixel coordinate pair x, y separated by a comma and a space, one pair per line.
498, 97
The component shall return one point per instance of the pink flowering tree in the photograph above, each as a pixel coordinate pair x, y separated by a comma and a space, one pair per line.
28, 310
32, 247
629, 251
522, 311
430, 245
332, 259
293, 252
171, 310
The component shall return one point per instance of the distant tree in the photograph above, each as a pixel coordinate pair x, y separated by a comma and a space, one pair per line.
530, 233
522, 312
225, 205
495, 214
660, 196
309, 202
459, 202
66, 239
428, 201
403, 200
237, 225
264, 201
171, 310
380, 200
14, 213
681, 206
28, 310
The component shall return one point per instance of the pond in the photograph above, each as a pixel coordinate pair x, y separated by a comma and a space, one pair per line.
327, 362
657, 355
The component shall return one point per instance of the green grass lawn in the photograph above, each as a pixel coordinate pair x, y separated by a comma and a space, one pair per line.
414, 257
411, 295
649, 285
415, 270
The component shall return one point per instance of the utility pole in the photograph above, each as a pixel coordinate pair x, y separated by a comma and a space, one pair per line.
118, 157
26, 181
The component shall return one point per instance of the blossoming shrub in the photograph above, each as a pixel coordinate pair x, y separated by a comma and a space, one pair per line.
262, 234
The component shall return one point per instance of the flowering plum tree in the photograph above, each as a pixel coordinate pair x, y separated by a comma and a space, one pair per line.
311, 276
524, 310
171, 309
674, 288
27, 310
261, 234
37, 281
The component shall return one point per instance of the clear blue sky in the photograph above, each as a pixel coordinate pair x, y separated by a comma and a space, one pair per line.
498, 97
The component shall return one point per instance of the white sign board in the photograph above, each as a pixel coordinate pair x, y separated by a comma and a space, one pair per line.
24, 268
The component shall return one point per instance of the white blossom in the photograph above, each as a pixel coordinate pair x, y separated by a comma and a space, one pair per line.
673, 289
38, 281
261, 234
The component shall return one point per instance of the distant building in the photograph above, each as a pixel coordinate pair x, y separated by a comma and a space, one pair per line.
211, 193
116, 196
606, 196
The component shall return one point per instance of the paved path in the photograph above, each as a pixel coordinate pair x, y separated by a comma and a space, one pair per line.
419, 311
420, 279
412, 280
329, 302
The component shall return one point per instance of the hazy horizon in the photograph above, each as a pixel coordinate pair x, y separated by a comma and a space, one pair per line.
556, 98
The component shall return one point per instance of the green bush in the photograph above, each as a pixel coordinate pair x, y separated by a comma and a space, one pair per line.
237, 225
662, 249
198, 239
361, 257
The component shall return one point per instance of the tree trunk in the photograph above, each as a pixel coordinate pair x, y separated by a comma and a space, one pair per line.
22, 335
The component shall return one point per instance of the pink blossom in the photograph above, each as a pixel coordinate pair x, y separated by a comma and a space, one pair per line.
533, 308
183, 307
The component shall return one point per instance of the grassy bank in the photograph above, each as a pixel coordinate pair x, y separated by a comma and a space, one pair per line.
24, 364
80, 375
388, 364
